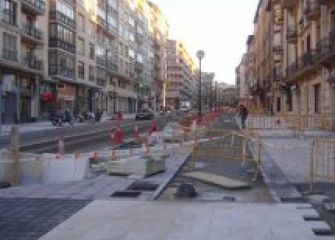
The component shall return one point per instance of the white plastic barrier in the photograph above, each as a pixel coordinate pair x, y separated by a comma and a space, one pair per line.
45, 169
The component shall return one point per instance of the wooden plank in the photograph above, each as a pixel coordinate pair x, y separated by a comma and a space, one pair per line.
218, 180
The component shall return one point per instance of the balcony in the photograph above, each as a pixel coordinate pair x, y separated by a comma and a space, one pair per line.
289, 3
10, 55
112, 65
139, 67
278, 49
34, 6
304, 65
62, 18
312, 10
101, 61
32, 62
59, 43
31, 34
292, 34
102, 22
63, 71
139, 38
326, 49
331, 80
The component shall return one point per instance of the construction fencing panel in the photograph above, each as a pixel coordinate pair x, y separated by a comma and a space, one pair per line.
227, 145
298, 122
322, 165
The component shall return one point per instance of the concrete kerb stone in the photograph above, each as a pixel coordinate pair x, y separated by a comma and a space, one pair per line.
184, 158
277, 182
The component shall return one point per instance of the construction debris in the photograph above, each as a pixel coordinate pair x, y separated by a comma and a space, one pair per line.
221, 181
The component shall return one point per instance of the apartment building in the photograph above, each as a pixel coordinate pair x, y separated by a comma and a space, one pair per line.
293, 50
22, 48
310, 50
82, 55
241, 81
207, 89
159, 28
180, 75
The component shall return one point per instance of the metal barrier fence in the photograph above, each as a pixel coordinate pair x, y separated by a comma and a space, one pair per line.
322, 165
228, 145
291, 121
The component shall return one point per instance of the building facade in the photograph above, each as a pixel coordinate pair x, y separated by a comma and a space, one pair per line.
292, 49
83, 55
180, 75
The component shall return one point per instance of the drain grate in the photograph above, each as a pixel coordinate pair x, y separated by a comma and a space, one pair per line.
143, 186
126, 194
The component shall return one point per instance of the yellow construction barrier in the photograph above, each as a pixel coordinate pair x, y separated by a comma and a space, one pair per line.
228, 145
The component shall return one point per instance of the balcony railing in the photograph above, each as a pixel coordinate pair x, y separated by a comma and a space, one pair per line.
112, 65
306, 60
59, 43
292, 33
102, 61
31, 61
36, 5
32, 32
331, 80
278, 49
60, 70
312, 9
58, 16
10, 55
139, 66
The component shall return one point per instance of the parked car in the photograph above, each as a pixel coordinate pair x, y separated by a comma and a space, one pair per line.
145, 114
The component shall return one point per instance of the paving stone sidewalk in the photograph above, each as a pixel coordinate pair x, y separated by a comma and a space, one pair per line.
28, 219
137, 220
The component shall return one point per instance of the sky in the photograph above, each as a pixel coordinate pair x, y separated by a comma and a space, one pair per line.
219, 27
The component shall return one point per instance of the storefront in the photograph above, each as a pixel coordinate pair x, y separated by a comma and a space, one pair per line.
66, 97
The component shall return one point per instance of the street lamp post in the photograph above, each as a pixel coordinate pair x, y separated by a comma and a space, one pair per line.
200, 56
114, 99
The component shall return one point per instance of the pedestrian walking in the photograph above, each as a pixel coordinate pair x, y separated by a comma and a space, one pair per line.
243, 112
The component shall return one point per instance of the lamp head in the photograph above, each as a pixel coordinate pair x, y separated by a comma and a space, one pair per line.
200, 54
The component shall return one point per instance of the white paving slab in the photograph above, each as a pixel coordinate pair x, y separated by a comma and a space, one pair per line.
126, 220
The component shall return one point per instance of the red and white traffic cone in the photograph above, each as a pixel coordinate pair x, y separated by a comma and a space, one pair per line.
61, 148
145, 146
118, 136
136, 134
76, 156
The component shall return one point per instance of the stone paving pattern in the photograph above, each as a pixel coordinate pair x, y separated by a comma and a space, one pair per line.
28, 219
137, 220
100, 187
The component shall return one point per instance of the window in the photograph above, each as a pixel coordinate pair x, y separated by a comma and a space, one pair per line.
81, 47
60, 32
131, 53
92, 51
9, 47
91, 30
91, 72
65, 8
81, 23
317, 98
81, 70
8, 11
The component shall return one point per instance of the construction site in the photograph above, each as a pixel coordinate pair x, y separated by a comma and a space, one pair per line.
176, 179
